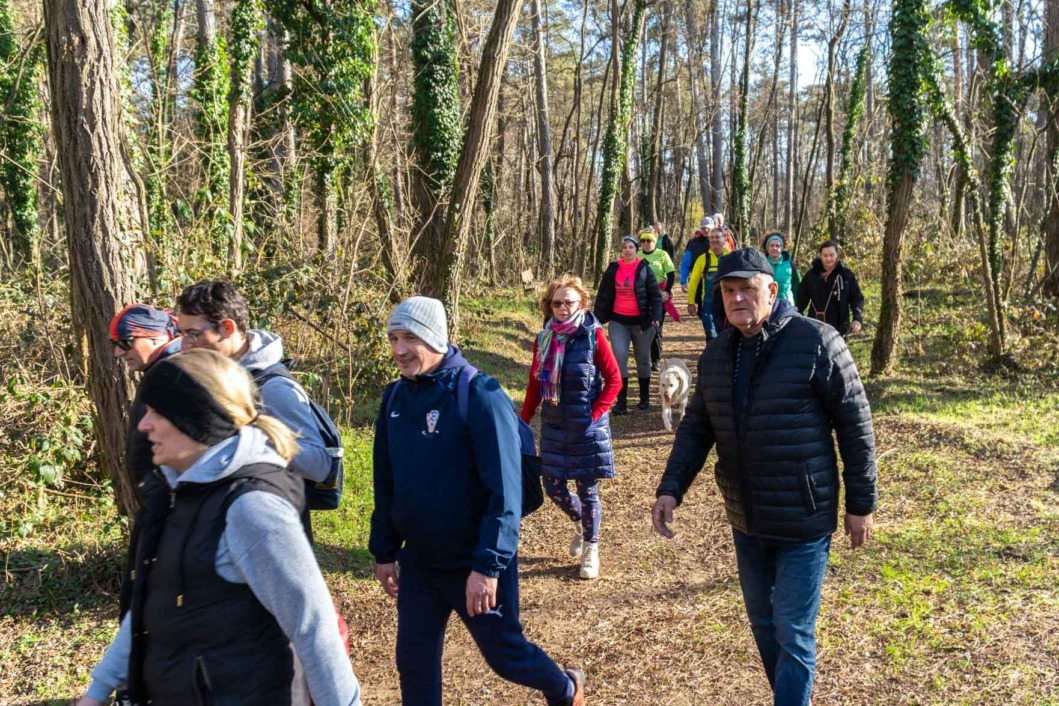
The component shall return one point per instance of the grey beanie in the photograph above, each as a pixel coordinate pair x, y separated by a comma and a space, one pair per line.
423, 317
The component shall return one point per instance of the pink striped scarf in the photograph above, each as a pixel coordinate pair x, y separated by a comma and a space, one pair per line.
551, 348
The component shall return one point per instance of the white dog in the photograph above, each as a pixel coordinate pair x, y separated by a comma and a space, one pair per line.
675, 383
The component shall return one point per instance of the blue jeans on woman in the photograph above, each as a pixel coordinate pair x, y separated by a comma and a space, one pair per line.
781, 585
706, 317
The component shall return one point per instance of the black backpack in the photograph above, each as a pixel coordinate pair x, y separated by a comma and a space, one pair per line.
532, 491
325, 494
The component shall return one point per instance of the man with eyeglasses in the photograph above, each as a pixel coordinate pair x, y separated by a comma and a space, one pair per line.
213, 315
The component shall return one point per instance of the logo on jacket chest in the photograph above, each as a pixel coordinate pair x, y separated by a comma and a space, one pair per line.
432, 423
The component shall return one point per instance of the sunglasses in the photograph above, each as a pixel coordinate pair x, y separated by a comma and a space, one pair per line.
560, 304
192, 334
122, 343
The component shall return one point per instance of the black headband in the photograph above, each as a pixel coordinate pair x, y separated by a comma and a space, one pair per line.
189, 406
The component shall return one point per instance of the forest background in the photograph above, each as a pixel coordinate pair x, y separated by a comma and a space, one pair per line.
330, 157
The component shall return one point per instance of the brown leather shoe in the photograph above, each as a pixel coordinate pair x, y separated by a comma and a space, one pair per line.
579, 686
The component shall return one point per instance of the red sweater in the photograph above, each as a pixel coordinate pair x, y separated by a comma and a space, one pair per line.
604, 360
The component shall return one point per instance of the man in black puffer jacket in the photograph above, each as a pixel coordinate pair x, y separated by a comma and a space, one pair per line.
770, 390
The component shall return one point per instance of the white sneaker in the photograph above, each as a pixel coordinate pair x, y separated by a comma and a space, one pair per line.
590, 561
578, 542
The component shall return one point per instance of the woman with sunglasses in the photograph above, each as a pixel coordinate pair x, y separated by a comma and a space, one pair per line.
629, 300
227, 589
575, 375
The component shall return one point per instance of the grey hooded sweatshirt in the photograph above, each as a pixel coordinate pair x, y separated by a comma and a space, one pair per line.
264, 547
287, 401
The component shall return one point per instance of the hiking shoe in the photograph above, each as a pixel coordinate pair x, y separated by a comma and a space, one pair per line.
590, 560
654, 367
577, 544
578, 678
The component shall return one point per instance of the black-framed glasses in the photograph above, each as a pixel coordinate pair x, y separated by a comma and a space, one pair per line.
122, 343
192, 334
565, 304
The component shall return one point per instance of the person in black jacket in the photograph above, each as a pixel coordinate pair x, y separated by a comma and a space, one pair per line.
829, 291
628, 298
770, 389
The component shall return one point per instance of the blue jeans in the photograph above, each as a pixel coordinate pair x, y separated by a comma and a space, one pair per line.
706, 317
425, 601
781, 588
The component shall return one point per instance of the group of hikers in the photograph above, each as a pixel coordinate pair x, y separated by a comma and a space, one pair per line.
222, 600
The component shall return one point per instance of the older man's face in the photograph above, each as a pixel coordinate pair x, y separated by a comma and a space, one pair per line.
748, 302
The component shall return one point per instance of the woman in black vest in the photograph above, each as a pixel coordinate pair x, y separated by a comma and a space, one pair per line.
225, 579
576, 377
629, 300
829, 292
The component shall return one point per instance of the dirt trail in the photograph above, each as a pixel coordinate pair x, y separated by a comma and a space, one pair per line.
662, 625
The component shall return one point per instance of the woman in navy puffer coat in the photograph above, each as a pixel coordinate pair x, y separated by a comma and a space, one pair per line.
575, 374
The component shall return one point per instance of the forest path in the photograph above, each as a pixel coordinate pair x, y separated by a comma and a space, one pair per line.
663, 624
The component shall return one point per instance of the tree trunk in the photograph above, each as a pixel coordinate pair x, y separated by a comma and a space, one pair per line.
615, 149
695, 75
716, 74
829, 88
544, 145
740, 179
960, 185
474, 156
792, 124
908, 61
655, 150
87, 123
436, 131
244, 21
1051, 231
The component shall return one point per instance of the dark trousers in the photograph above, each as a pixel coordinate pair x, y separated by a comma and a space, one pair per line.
781, 588
425, 600
656, 342
583, 507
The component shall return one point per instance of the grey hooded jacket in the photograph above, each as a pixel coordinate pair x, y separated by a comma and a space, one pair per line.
286, 400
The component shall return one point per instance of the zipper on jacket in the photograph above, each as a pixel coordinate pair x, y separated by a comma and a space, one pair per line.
200, 682
808, 486
742, 423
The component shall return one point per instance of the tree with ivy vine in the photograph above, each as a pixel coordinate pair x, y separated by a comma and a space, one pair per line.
908, 70
436, 129
838, 205
614, 144
335, 46
20, 134
210, 90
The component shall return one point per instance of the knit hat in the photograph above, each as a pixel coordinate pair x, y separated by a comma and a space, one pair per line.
707, 224
630, 239
774, 236
424, 318
142, 321
744, 264
185, 403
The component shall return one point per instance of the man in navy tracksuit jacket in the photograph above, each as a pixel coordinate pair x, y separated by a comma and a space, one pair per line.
448, 499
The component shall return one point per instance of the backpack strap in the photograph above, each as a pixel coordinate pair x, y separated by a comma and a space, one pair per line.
463, 389
276, 370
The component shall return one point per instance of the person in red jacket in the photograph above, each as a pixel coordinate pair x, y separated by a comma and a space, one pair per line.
575, 374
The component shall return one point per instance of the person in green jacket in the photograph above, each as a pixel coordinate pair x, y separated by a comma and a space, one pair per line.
787, 277
661, 264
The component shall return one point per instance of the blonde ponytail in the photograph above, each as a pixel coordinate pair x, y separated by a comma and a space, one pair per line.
234, 390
